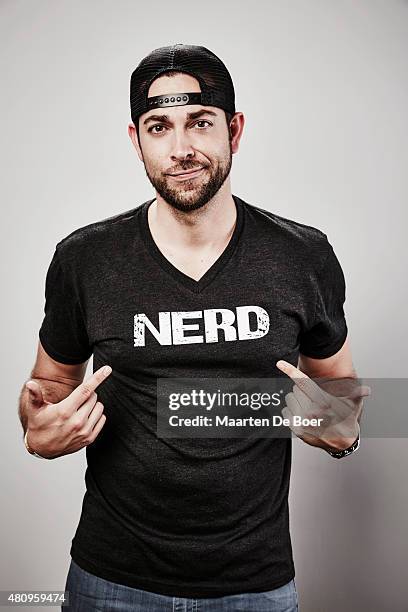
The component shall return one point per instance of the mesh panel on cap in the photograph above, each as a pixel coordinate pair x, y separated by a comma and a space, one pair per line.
197, 61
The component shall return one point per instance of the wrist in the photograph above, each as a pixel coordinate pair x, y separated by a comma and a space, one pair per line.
338, 453
30, 449
342, 442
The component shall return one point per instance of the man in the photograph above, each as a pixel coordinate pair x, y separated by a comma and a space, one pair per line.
163, 290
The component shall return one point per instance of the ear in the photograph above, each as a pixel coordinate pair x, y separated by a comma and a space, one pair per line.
236, 128
133, 137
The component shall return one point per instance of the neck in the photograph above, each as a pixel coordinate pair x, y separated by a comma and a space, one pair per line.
209, 225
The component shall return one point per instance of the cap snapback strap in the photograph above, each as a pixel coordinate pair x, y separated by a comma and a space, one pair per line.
206, 98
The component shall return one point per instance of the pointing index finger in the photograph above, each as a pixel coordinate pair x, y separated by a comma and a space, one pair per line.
84, 390
302, 380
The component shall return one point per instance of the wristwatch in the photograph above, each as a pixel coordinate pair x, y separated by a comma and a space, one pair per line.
346, 451
30, 450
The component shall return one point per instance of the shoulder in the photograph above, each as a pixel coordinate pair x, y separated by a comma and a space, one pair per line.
287, 227
300, 241
99, 234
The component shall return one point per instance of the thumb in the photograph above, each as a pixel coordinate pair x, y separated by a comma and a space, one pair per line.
35, 394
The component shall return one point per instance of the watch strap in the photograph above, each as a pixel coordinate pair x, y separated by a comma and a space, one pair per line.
346, 451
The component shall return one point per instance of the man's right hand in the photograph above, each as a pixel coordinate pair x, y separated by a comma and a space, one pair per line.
69, 425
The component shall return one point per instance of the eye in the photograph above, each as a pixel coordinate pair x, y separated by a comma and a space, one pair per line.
202, 121
157, 125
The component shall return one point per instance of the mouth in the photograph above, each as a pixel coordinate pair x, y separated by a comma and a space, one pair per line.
186, 175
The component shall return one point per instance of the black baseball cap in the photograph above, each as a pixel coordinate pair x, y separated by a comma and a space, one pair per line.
216, 85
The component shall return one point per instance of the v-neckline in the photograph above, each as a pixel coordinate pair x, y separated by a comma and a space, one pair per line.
196, 286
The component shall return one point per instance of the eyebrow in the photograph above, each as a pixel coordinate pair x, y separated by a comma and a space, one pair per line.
194, 115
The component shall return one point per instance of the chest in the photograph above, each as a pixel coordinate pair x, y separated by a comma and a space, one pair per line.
147, 324
194, 263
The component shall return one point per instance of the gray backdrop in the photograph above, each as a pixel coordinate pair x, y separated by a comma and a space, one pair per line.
323, 86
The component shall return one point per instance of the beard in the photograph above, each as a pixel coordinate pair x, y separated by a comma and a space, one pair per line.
195, 193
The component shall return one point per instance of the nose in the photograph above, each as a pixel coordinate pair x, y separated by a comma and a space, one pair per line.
181, 146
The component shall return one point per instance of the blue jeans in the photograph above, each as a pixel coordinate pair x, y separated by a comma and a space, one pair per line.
89, 593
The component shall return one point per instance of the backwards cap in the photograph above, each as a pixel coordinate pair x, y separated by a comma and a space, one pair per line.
215, 81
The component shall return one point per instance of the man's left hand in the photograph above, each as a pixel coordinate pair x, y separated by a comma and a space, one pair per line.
339, 426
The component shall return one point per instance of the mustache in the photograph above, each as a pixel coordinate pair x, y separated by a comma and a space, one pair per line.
185, 166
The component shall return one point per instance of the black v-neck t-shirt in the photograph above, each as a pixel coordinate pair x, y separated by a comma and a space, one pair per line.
188, 518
